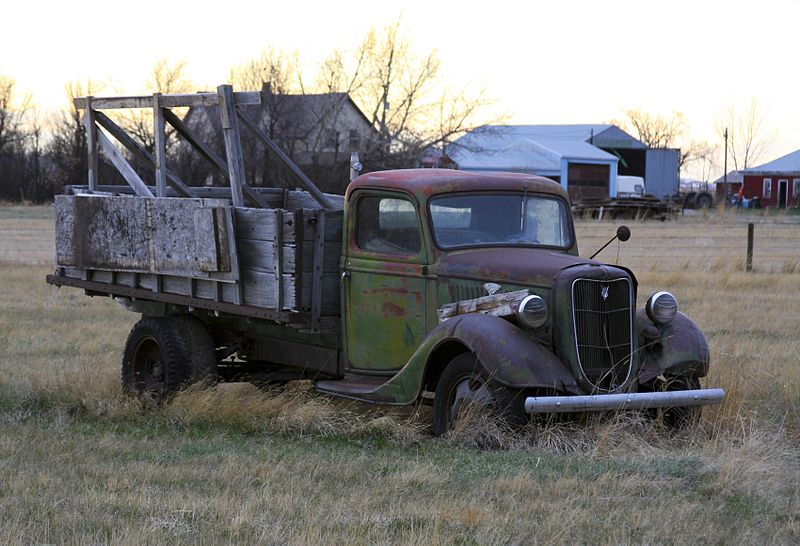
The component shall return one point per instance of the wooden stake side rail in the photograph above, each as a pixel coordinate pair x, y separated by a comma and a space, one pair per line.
231, 167
166, 101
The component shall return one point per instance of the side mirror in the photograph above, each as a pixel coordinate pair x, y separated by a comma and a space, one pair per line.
623, 234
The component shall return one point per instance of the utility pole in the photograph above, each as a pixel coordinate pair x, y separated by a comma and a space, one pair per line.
725, 171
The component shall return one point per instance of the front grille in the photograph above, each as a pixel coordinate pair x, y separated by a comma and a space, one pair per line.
603, 325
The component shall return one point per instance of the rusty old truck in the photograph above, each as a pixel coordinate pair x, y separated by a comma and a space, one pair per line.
418, 286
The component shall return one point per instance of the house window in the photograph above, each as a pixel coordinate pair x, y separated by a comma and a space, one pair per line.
796, 187
331, 138
355, 140
767, 191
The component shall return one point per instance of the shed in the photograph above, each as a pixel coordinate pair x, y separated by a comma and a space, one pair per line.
584, 158
776, 183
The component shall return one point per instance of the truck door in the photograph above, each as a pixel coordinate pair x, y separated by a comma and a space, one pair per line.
385, 287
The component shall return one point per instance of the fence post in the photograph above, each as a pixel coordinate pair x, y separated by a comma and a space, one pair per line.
749, 263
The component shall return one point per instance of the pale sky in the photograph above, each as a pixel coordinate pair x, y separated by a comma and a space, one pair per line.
544, 62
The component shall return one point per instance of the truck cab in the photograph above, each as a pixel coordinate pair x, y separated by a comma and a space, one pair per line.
469, 286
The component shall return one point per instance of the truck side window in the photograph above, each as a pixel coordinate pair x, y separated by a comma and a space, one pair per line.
387, 225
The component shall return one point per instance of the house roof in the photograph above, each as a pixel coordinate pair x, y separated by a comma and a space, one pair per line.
299, 113
526, 148
733, 177
790, 163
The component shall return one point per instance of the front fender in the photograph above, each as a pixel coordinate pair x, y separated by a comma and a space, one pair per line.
511, 357
680, 348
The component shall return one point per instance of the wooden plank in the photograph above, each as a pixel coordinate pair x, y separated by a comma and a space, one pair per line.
233, 143
316, 273
260, 225
91, 145
118, 290
298, 199
160, 146
260, 256
259, 290
499, 305
277, 262
143, 155
186, 237
168, 101
122, 165
65, 248
304, 181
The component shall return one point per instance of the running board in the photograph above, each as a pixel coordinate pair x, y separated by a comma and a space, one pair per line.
355, 387
630, 401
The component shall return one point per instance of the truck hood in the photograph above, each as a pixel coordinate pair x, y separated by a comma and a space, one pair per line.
524, 266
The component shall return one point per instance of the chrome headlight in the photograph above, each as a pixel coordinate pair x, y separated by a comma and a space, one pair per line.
661, 308
532, 312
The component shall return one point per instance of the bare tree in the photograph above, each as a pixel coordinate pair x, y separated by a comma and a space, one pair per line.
401, 92
748, 134
703, 155
67, 146
12, 113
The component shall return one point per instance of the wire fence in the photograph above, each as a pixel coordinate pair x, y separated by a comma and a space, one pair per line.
690, 243
697, 244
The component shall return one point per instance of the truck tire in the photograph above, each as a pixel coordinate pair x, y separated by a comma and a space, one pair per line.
164, 354
678, 418
201, 349
703, 201
463, 379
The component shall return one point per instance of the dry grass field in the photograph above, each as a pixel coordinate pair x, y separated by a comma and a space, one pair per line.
79, 463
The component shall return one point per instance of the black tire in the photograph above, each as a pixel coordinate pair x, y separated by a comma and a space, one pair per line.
678, 418
703, 201
465, 373
164, 354
201, 349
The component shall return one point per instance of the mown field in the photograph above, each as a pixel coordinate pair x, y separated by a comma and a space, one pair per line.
79, 463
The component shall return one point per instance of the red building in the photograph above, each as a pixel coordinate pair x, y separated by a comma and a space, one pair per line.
777, 183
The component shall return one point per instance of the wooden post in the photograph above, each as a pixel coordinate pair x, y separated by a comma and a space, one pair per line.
233, 143
317, 272
91, 144
160, 146
749, 263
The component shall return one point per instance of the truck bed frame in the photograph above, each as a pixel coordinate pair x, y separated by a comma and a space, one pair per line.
266, 253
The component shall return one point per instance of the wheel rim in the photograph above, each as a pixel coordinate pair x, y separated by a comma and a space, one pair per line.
148, 366
469, 389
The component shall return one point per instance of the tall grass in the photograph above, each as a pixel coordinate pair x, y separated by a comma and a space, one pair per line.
82, 463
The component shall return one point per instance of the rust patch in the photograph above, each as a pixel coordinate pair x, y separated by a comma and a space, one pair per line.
391, 310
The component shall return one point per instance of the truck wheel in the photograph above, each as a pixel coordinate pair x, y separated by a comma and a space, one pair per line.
156, 359
200, 346
465, 381
703, 201
679, 418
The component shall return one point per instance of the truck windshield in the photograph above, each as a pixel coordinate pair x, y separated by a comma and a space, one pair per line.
500, 219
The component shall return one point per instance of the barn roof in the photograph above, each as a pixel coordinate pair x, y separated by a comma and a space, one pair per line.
790, 163
527, 148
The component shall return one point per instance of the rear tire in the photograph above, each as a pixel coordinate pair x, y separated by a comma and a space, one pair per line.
464, 379
201, 349
164, 354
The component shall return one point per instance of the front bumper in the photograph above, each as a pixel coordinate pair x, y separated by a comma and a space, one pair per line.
629, 401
